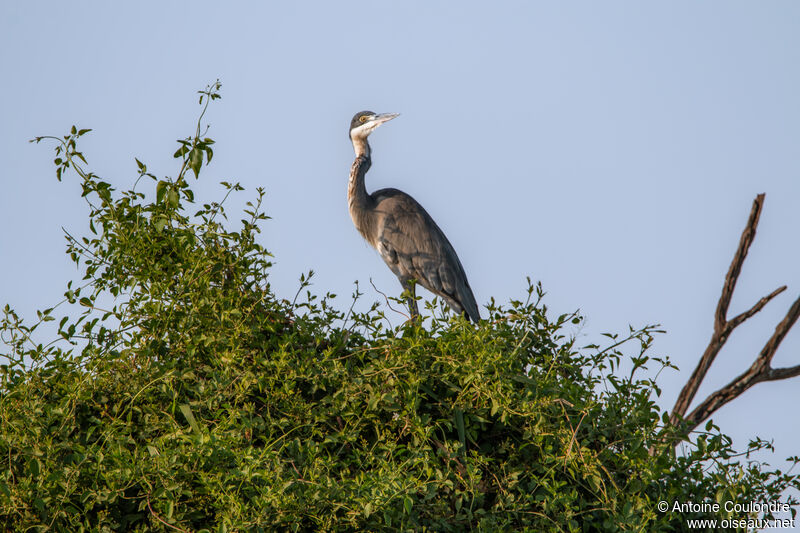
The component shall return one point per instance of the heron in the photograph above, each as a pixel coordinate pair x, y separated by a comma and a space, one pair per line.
408, 240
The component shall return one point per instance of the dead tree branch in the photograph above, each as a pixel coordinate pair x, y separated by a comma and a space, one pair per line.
761, 369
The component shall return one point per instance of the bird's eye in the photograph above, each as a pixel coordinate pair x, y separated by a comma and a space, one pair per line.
363, 119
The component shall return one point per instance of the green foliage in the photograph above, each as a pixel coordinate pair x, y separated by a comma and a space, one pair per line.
183, 394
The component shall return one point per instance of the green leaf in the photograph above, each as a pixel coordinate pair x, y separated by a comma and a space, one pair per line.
184, 149
34, 467
161, 189
172, 198
187, 413
525, 380
160, 222
195, 161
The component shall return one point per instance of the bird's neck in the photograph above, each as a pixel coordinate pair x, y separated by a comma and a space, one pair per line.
361, 147
359, 201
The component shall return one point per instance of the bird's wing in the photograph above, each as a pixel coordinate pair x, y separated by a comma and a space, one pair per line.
414, 247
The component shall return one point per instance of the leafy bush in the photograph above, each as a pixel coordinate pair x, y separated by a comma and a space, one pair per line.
183, 394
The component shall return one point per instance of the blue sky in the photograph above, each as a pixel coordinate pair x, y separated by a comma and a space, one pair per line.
609, 149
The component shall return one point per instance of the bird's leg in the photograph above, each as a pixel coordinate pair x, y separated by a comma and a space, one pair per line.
411, 297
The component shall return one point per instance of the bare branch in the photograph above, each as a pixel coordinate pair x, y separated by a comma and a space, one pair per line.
768, 352
761, 369
759, 305
745, 241
775, 374
723, 328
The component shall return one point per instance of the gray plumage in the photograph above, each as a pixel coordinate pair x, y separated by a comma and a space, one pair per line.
402, 232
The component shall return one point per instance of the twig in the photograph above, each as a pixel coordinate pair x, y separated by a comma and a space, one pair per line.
388, 304
155, 515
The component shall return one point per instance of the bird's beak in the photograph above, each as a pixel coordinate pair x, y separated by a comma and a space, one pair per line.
384, 117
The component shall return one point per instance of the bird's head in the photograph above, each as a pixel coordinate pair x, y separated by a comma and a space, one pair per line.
365, 123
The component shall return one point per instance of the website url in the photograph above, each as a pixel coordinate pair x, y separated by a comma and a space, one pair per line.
742, 523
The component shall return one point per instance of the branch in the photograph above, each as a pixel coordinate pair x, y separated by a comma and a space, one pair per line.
721, 326
759, 305
735, 269
760, 370
783, 373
